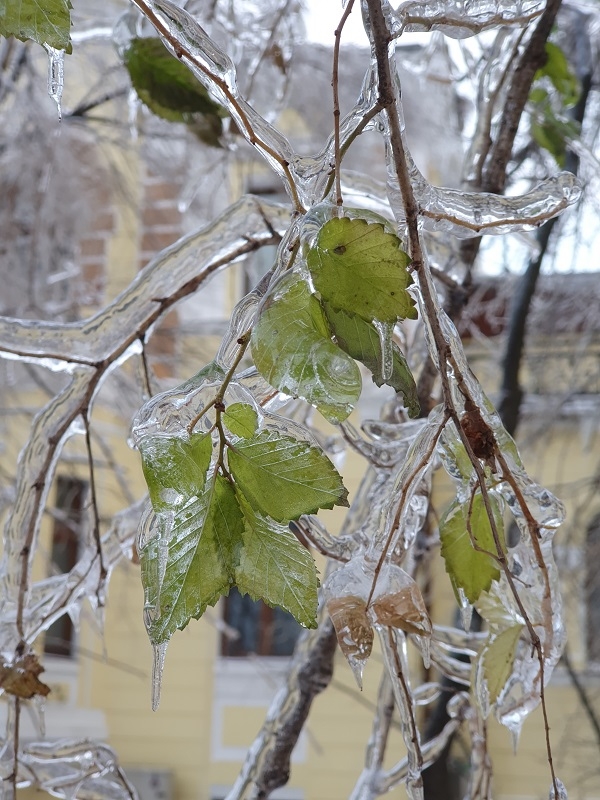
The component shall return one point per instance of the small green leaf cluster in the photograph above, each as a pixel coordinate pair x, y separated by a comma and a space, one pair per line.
306, 343
551, 128
47, 23
169, 89
224, 505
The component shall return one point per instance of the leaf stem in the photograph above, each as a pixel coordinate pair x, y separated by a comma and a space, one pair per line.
243, 341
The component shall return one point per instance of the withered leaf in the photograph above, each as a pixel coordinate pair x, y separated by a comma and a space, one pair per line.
21, 678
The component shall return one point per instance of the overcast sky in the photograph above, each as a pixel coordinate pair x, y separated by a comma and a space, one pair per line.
322, 18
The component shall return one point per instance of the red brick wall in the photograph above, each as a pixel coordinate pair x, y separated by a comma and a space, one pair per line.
160, 226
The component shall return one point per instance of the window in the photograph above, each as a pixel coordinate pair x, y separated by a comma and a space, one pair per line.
68, 519
263, 631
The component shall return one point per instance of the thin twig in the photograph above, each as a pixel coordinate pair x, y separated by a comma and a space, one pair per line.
94, 501
181, 51
336, 103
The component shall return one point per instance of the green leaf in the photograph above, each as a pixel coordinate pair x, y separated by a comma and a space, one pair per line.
498, 657
469, 569
241, 419
361, 341
202, 557
292, 349
283, 477
558, 70
276, 568
358, 267
47, 22
170, 90
175, 468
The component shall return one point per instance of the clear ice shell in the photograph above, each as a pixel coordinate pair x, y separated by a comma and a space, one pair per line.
397, 601
345, 593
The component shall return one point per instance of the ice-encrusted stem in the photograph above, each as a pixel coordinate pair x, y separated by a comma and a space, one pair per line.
430, 750
393, 644
190, 43
368, 784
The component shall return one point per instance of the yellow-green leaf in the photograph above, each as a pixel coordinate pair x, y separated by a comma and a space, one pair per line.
170, 90
241, 419
471, 569
292, 349
203, 552
358, 267
276, 568
284, 478
361, 341
498, 657
175, 468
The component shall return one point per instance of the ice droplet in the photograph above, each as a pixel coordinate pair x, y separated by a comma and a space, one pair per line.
425, 648
558, 786
385, 331
158, 664
56, 75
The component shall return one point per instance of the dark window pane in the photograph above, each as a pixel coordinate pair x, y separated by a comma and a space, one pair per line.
262, 630
70, 498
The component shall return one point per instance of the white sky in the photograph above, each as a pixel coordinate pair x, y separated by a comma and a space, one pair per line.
322, 18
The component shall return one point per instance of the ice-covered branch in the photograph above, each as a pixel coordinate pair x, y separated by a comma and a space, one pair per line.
463, 18
432, 749
175, 273
267, 762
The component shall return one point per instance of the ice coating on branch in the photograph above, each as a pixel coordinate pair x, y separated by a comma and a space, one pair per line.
184, 267
393, 645
56, 75
558, 791
406, 507
74, 768
460, 20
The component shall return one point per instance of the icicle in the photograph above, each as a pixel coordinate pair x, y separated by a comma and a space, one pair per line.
515, 731
56, 75
385, 331
562, 791
158, 664
466, 610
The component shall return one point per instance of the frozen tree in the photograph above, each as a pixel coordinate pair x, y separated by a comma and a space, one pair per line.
366, 272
